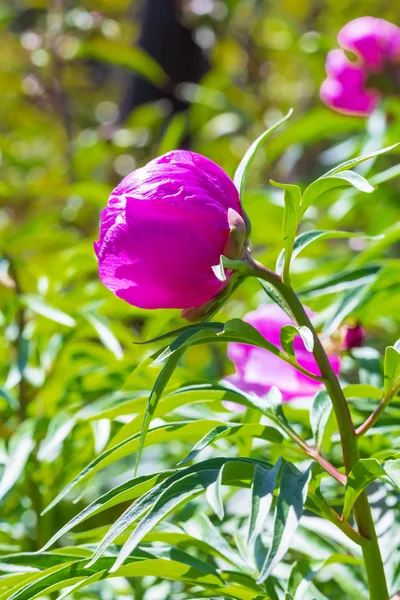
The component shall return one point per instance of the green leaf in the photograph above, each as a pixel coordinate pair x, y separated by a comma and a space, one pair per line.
319, 416
234, 330
289, 332
353, 162
329, 182
181, 490
59, 428
211, 436
262, 490
308, 237
292, 197
82, 584
392, 469
106, 335
208, 533
288, 511
362, 474
12, 402
159, 386
276, 297
342, 281
241, 173
156, 435
38, 305
391, 371
133, 488
162, 499
214, 495
176, 332
20, 446
256, 430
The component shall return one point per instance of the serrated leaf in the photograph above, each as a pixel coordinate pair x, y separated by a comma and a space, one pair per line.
241, 173
262, 490
288, 511
319, 416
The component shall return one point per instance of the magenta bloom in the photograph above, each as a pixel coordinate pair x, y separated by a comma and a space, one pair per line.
258, 370
164, 227
376, 46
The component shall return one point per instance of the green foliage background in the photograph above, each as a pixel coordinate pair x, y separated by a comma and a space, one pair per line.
67, 360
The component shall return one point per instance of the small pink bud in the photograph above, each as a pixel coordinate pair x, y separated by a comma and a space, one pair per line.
353, 337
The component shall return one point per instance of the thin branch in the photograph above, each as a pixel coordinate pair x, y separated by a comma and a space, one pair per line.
313, 453
373, 418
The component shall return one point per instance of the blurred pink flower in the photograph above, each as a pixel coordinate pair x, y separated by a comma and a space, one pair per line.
376, 45
258, 370
164, 227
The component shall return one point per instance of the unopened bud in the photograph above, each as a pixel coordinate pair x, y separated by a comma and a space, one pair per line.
235, 244
353, 337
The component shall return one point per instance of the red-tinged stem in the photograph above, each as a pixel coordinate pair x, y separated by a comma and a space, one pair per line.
362, 512
372, 419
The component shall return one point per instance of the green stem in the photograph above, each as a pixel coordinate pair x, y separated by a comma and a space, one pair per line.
372, 419
362, 511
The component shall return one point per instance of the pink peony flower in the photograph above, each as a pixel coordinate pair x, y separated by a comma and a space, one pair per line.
376, 45
164, 227
258, 370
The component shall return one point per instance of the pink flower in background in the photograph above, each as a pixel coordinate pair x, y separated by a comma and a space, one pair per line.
164, 227
257, 370
376, 46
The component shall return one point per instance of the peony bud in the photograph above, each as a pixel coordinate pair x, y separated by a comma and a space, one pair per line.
376, 45
353, 337
257, 370
164, 228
